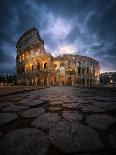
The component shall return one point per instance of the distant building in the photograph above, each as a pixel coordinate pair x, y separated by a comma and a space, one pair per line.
36, 67
108, 78
6, 79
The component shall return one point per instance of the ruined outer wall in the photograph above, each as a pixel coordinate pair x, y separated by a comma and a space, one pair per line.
32, 60
35, 67
82, 70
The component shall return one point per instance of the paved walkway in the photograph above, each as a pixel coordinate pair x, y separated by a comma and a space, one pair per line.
9, 90
58, 121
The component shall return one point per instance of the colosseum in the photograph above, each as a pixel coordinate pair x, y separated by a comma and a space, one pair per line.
36, 67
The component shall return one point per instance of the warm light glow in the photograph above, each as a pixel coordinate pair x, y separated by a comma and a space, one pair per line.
30, 64
20, 58
26, 55
111, 81
36, 53
23, 56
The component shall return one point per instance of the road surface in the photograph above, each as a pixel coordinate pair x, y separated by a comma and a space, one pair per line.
58, 121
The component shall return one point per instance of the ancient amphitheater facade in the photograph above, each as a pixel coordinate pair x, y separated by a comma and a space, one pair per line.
36, 67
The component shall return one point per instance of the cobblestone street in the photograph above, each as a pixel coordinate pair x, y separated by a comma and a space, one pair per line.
58, 121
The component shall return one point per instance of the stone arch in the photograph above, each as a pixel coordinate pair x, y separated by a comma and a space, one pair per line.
45, 65
38, 65
79, 81
32, 67
87, 81
79, 63
55, 66
83, 70
62, 81
38, 81
79, 70
83, 81
69, 81
45, 81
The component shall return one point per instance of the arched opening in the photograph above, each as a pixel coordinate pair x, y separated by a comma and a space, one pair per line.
38, 81
83, 81
45, 65
26, 68
18, 69
79, 70
79, 81
51, 82
83, 70
62, 81
87, 81
23, 56
45, 81
69, 82
73, 69
79, 63
32, 67
55, 66
87, 70
38, 65
55, 81
23, 69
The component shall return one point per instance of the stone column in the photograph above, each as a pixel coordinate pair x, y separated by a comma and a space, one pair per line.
47, 82
72, 82
42, 81
35, 81
85, 82
53, 82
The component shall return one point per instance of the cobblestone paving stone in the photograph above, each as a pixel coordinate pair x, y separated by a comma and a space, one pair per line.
69, 101
24, 101
71, 137
56, 103
79, 121
46, 120
34, 112
70, 105
92, 108
72, 115
14, 108
100, 121
32, 102
7, 117
27, 141
4, 104
54, 108
112, 138
106, 105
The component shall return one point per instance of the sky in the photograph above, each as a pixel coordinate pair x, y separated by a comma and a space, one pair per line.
82, 27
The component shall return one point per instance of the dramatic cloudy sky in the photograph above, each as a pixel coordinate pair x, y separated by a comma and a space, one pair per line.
85, 27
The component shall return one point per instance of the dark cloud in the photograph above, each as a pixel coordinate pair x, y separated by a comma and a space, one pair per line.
89, 26
97, 47
103, 21
5, 58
